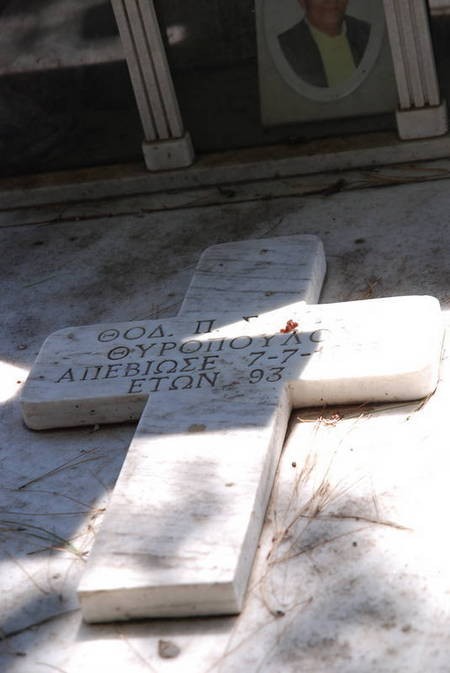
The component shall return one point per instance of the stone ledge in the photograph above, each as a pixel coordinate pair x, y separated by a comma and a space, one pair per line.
246, 165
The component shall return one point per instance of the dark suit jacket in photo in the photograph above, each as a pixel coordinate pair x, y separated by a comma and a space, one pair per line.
303, 55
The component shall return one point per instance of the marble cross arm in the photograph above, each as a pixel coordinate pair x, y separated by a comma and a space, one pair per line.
341, 353
249, 277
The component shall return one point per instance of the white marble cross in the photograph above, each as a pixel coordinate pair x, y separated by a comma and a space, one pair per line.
182, 527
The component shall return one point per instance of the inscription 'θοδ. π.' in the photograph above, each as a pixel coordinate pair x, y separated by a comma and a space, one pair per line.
131, 333
142, 332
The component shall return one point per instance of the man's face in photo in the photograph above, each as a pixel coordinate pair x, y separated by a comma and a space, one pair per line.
325, 15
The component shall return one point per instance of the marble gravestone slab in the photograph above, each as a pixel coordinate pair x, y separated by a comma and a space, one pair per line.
183, 524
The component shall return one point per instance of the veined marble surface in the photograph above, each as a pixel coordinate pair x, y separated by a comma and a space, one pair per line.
221, 391
352, 572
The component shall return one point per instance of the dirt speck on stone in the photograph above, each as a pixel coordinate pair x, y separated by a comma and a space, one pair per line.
168, 649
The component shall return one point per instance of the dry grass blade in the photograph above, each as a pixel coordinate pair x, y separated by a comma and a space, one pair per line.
311, 547
74, 462
28, 514
38, 282
56, 494
4, 635
25, 572
52, 666
367, 519
275, 618
55, 541
137, 654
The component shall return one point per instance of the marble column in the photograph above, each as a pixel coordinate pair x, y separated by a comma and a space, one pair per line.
421, 113
166, 145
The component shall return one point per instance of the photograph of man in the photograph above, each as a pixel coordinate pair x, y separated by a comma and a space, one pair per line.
327, 45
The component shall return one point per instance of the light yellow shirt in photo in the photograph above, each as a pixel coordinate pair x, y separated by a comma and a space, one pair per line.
336, 55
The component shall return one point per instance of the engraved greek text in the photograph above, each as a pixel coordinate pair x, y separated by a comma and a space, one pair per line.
208, 325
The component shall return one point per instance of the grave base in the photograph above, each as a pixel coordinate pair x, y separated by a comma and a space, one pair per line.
425, 122
164, 155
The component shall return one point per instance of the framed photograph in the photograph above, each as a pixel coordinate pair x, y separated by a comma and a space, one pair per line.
323, 59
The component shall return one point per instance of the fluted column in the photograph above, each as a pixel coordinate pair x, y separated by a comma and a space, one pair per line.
167, 145
421, 113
